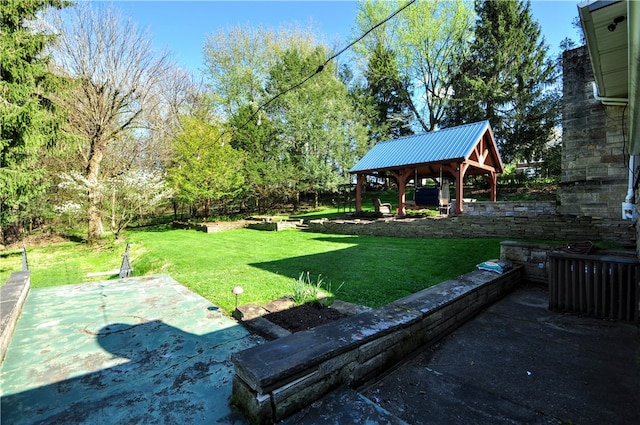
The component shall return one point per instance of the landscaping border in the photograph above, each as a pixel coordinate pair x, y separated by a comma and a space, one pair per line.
276, 379
542, 227
12, 297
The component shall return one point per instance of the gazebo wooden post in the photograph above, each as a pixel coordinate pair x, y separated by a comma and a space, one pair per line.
494, 186
492, 179
402, 209
359, 182
460, 172
401, 177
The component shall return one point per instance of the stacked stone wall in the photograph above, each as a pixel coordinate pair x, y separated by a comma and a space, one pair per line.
510, 208
532, 257
13, 295
594, 164
276, 379
549, 227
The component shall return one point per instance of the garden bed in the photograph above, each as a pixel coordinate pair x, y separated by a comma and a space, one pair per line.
304, 316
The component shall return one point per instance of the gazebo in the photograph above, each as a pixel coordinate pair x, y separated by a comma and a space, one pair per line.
453, 153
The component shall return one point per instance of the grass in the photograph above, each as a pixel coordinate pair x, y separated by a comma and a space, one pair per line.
365, 270
387, 196
63, 263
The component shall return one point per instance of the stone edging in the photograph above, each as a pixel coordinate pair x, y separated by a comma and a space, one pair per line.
12, 297
276, 379
543, 227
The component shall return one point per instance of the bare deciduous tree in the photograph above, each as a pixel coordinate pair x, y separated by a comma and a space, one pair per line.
120, 85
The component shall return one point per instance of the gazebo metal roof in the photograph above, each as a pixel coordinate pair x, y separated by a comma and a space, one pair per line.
437, 146
468, 149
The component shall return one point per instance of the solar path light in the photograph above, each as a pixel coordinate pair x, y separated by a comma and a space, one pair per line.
237, 290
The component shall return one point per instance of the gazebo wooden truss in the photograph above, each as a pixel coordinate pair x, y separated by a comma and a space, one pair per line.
451, 153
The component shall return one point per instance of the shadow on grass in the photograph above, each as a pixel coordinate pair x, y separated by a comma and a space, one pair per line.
74, 238
377, 271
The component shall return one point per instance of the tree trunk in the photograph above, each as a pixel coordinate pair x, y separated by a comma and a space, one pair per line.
113, 210
96, 229
207, 208
296, 201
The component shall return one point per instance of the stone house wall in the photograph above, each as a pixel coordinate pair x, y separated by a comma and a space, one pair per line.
594, 163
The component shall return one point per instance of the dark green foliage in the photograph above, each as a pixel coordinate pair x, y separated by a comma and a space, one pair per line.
266, 173
316, 123
29, 119
552, 161
509, 80
391, 99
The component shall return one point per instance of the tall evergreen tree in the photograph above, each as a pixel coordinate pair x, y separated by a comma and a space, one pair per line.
387, 89
29, 119
508, 79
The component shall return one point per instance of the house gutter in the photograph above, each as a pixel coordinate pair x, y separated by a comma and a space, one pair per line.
610, 101
633, 12
629, 209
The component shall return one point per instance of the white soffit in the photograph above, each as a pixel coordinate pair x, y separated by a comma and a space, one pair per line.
608, 49
615, 55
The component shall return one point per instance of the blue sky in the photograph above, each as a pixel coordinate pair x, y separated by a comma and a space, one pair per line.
182, 26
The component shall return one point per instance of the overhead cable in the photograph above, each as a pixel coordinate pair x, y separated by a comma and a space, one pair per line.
322, 66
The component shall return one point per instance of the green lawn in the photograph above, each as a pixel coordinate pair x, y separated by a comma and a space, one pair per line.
62, 263
365, 270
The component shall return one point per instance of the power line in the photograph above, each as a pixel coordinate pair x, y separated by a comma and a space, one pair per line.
322, 66
368, 32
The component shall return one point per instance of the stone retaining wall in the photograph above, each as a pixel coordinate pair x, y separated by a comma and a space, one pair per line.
532, 257
275, 225
12, 297
276, 379
510, 208
542, 227
210, 227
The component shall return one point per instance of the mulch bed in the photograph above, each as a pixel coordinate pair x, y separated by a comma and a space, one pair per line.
304, 316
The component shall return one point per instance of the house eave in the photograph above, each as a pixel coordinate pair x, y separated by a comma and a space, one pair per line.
614, 49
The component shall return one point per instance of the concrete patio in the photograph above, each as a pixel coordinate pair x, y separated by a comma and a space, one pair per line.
514, 363
148, 350
137, 351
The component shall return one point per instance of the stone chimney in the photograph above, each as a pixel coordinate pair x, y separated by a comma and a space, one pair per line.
594, 136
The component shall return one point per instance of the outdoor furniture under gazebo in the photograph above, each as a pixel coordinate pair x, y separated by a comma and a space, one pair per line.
383, 208
451, 153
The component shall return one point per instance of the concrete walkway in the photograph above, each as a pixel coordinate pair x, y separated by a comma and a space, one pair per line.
133, 351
